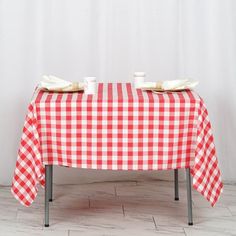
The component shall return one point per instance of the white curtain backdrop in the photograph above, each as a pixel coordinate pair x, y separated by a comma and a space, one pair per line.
110, 39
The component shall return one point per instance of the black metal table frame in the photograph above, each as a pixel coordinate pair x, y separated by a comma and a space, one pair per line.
49, 191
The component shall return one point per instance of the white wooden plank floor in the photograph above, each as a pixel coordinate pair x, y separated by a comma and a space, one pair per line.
118, 208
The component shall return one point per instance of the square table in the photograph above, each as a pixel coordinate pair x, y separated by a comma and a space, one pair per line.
119, 128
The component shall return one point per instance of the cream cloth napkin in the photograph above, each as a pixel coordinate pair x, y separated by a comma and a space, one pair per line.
170, 85
53, 83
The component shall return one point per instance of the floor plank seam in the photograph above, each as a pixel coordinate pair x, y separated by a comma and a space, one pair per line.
230, 211
123, 210
184, 231
155, 224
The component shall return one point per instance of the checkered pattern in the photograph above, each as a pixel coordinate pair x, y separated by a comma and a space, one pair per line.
119, 128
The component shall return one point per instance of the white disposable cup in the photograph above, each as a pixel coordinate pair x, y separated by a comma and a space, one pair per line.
90, 85
139, 79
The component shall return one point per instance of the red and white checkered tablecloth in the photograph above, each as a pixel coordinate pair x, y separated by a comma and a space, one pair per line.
119, 128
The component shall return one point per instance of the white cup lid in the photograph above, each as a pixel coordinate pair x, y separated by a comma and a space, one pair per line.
139, 74
90, 79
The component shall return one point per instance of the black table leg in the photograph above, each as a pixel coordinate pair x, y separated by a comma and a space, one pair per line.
176, 185
51, 184
189, 197
47, 189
